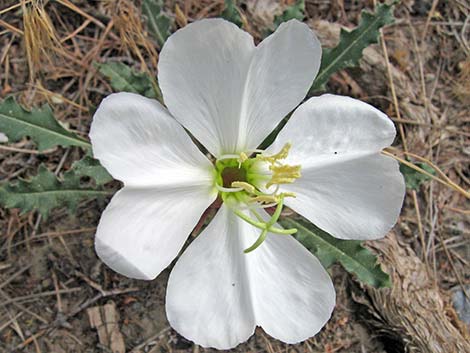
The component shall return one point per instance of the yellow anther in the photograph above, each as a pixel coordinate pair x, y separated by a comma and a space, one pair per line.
292, 171
288, 194
266, 198
244, 185
243, 157
283, 174
282, 154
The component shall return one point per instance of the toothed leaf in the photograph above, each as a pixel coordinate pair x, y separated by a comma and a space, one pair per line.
45, 192
294, 11
413, 178
355, 258
38, 124
124, 79
351, 44
231, 13
158, 23
92, 168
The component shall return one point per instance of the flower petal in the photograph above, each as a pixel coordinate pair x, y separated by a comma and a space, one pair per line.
347, 187
217, 294
293, 295
353, 199
139, 143
208, 295
228, 93
281, 73
143, 229
202, 74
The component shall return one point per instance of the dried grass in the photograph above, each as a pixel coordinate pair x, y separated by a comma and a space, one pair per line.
40, 36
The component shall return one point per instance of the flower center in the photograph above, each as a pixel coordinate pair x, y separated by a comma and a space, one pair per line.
233, 174
250, 181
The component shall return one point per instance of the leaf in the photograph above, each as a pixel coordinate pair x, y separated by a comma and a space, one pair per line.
351, 254
92, 168
39, 124
45, 192
413, 178
295, 11
125, 79
158, 23
351, 44
231, 13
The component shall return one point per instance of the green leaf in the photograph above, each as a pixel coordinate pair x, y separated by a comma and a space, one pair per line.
125, 79
413, 178
350, 254
231, 13
92, 168
45, 192
295, 11
39, 124
351, 44
158, 23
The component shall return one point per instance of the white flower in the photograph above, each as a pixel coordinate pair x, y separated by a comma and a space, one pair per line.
230, 94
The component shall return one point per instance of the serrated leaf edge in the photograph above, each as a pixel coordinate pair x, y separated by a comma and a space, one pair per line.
386, 283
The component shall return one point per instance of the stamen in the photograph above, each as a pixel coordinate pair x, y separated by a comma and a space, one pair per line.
282, 154
268, 205
224, 189
242, 158
248, 180
245, 186
284, 174
265, 199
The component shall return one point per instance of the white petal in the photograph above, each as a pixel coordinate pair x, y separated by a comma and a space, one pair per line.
217, 294
292, 293
281, 73
327, 128
139, 143
347, 187
208, 295
353, 199
202, 74
228, 93
143, 229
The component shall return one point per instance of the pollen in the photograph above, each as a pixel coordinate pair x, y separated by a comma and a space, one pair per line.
282, 154
243, 157
283, 174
